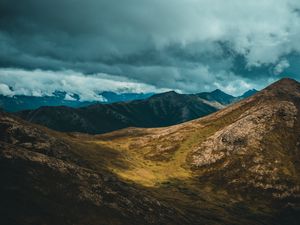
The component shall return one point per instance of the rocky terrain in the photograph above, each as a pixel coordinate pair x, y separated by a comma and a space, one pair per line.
240, 165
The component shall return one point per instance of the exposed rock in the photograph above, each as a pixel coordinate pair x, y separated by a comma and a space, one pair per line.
255, 150
245, 134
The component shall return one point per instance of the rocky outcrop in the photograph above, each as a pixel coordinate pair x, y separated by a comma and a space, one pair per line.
254, 151
245, 134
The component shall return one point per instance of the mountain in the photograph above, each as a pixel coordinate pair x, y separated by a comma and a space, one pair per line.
217, 96
112, 97
22, 102
223, 98
240, 165
159, 110
60, 98
248, 93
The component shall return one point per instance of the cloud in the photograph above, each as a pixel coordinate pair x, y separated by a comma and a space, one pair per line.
39, 83
5, 90
88, 87
281, 66
68, 97
178, 44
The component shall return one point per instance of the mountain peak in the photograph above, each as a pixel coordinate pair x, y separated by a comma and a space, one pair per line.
218, 96
171, 92
218, 91
284, 85
285, 82
165, 94
288, 79
249, 93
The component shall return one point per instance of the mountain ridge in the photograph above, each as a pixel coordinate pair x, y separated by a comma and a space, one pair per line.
159, 110
219, 96
59, 98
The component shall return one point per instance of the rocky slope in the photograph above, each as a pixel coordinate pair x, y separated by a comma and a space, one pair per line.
262, 143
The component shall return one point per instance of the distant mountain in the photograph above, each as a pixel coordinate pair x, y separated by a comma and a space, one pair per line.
159, 110
217, 96
223, 98
248, 93
112, 97
22, 102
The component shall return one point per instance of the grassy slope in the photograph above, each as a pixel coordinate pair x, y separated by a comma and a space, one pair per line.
158, 160
167, 175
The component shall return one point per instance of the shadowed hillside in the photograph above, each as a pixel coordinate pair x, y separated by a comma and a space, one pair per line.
45, 181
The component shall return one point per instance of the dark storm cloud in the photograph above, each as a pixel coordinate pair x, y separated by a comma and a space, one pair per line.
187, 45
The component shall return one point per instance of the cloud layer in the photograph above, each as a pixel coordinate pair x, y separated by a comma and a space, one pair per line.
187, 45
41, 83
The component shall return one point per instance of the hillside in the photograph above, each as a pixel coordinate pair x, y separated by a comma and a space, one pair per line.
240, 165
245, 156
45, 181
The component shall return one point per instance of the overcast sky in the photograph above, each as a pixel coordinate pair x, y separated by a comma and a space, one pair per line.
89, 46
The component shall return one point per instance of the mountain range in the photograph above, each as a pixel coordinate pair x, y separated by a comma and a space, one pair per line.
159, 110
239, 165
60, 98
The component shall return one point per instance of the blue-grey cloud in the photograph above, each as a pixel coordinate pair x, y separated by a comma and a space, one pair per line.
188, 45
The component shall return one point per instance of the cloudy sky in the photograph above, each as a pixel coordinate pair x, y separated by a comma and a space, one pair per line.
86, 47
